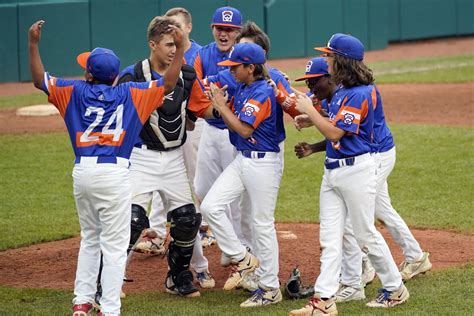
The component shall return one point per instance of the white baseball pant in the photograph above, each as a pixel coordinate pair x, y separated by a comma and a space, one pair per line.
246, 218
261, 179
161, 171
384, 211
162, 175
350, 191
103, 198
214, 155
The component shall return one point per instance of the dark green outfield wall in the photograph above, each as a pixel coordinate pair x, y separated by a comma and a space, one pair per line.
294, 26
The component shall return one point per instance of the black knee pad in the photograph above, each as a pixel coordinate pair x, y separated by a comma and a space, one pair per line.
185, 223
138, 223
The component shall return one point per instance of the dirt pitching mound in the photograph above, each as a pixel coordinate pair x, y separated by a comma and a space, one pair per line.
53, 264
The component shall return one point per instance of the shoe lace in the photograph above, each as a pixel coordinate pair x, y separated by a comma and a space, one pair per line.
203, 275
403, 265
313, 302
383, 295
257, 295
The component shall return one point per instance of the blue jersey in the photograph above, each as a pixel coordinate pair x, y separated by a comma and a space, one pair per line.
383, 136
255, 105
205, 63
225, 78
191, 52
102, 120
352, 110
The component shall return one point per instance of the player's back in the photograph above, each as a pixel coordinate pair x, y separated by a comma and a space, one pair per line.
382, 134
103, 120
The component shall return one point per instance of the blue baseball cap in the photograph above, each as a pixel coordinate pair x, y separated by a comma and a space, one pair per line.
227, 16
316, 67
102, 63
245, 53
344, 45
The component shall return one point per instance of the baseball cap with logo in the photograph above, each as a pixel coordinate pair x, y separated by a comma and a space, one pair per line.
245, 53
344, 45
102, 63
227, 16
316, 67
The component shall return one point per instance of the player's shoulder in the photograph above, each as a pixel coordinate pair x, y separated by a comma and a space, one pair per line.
195, 46
274, 72
207, 48
357, 92
129, 70
263, 90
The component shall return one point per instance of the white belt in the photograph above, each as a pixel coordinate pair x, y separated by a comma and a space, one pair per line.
93, 161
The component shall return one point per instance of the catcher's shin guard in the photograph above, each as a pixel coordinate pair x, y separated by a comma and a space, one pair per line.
139, 222
185, 224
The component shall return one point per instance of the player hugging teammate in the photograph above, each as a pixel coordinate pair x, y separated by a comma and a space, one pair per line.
128, 137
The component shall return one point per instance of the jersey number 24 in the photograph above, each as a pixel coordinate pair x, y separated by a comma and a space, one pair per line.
108, 136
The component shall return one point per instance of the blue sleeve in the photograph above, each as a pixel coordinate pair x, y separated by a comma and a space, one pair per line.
352, 112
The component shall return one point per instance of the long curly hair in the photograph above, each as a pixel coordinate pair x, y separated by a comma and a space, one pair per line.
350, 72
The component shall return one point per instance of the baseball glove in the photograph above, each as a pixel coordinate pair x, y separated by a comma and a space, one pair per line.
294, 289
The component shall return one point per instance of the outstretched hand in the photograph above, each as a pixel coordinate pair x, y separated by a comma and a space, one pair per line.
303, 150
34, 34
302, 121
178, 35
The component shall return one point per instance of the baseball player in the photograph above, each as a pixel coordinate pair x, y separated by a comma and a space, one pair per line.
199, 262
251, 33
158, 163
320, 83
348, 189
252, 122
152, 239
215, 151
103, 122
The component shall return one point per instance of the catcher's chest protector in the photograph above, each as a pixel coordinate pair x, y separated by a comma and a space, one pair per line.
166, 127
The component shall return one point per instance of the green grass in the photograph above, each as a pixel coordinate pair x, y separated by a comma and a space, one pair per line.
431, 185
36, 202
16, 101
445, 292
451, 69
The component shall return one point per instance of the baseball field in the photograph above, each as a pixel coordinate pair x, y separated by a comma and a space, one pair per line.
428, 93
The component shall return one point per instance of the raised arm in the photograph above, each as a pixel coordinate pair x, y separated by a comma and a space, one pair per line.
36, 65
172, 74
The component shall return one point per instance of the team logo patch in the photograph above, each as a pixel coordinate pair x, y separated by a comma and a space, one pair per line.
348, 118
249, 111
227, 16
250, 108
309, 65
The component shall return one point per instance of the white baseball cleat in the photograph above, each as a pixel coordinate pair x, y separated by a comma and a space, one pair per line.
410, 269
205, 279
348, 293
249, 282
387, 299
317, 306
263, 297
245, 266
368, 272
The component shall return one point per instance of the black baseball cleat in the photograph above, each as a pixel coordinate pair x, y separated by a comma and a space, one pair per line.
184, 285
